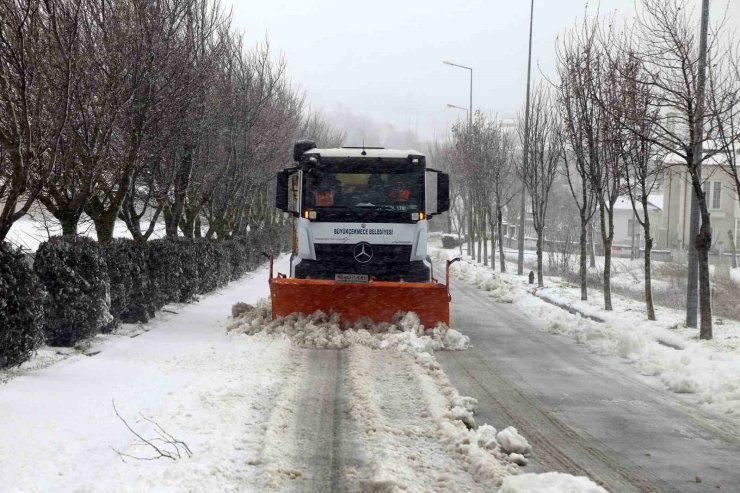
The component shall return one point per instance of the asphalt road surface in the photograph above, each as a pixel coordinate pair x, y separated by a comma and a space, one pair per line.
582, 413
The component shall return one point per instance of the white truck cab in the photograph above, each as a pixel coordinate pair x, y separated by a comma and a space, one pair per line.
361, 212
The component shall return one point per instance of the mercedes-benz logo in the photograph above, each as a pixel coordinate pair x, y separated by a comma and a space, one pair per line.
363, 252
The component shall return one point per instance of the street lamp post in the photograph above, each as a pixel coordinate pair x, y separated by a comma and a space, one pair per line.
471, 243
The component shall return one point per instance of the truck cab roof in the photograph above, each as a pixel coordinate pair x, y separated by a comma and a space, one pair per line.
369, 152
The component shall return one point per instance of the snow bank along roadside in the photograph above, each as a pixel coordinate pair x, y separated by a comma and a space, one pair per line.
208, 388
664, 349
392, 366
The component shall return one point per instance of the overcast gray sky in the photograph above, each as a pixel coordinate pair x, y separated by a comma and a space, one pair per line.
383, 59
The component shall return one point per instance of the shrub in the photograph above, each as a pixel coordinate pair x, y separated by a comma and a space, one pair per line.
21, 308
223, 261
130, 290
239, 255
450, 241
163, 265
205, 252
74, 273
188, 273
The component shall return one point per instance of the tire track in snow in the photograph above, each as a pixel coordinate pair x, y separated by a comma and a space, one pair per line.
310, 445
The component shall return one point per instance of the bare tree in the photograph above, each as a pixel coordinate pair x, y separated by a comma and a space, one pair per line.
539, 169
38, 41
503, 183
580, 114
641, 164
670, 53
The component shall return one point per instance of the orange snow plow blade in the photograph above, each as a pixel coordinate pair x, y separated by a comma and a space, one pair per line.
379, 300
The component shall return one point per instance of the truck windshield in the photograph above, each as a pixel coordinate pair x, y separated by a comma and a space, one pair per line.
379, 191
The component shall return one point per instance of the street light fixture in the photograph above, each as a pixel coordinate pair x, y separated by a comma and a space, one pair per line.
470, 111
459, 108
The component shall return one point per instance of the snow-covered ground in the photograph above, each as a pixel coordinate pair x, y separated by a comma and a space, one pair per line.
237, 409
202, 385
38, 226
735, 276
664, 349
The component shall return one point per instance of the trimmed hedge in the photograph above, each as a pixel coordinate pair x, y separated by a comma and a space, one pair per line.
130, 290
21, 308
74, 272
91, 289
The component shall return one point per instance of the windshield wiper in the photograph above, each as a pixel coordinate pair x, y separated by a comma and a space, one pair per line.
383, 207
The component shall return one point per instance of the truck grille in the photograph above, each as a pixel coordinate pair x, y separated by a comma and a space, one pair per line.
389, 263
382, 254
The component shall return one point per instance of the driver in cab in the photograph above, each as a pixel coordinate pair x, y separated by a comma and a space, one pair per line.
324, 191
398, 192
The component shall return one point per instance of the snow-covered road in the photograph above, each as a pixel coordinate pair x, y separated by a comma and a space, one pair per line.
583, 413
292, 405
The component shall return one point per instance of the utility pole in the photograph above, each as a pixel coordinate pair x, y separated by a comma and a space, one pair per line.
692, 291
523, 203
692, 287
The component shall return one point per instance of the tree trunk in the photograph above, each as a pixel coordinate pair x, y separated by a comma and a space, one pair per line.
494, 238
703, 243
500, 219
4, 229
471, 239
648, 269
197, 229
584, 254
607, 242
540, 239
105, 225
187, 226
182, 183
484, 235
69, 225
69, 218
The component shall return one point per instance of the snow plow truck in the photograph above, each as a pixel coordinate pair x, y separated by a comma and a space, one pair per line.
360, 222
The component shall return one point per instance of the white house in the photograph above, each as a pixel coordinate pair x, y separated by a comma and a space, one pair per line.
723, 204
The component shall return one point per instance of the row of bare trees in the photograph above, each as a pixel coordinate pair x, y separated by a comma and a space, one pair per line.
481, 157
623, 106
142, 111
632, 105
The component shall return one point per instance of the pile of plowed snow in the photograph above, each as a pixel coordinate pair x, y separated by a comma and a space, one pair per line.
325, 331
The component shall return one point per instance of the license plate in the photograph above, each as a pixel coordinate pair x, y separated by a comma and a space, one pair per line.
351, 278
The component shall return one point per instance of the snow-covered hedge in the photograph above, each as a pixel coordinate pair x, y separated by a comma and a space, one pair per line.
91, 289
165, 273
75, 274
450, 241
21, 308
130, 289
207, 256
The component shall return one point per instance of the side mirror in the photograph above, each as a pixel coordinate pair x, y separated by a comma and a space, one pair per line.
437, 192
282, 190
443, 192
